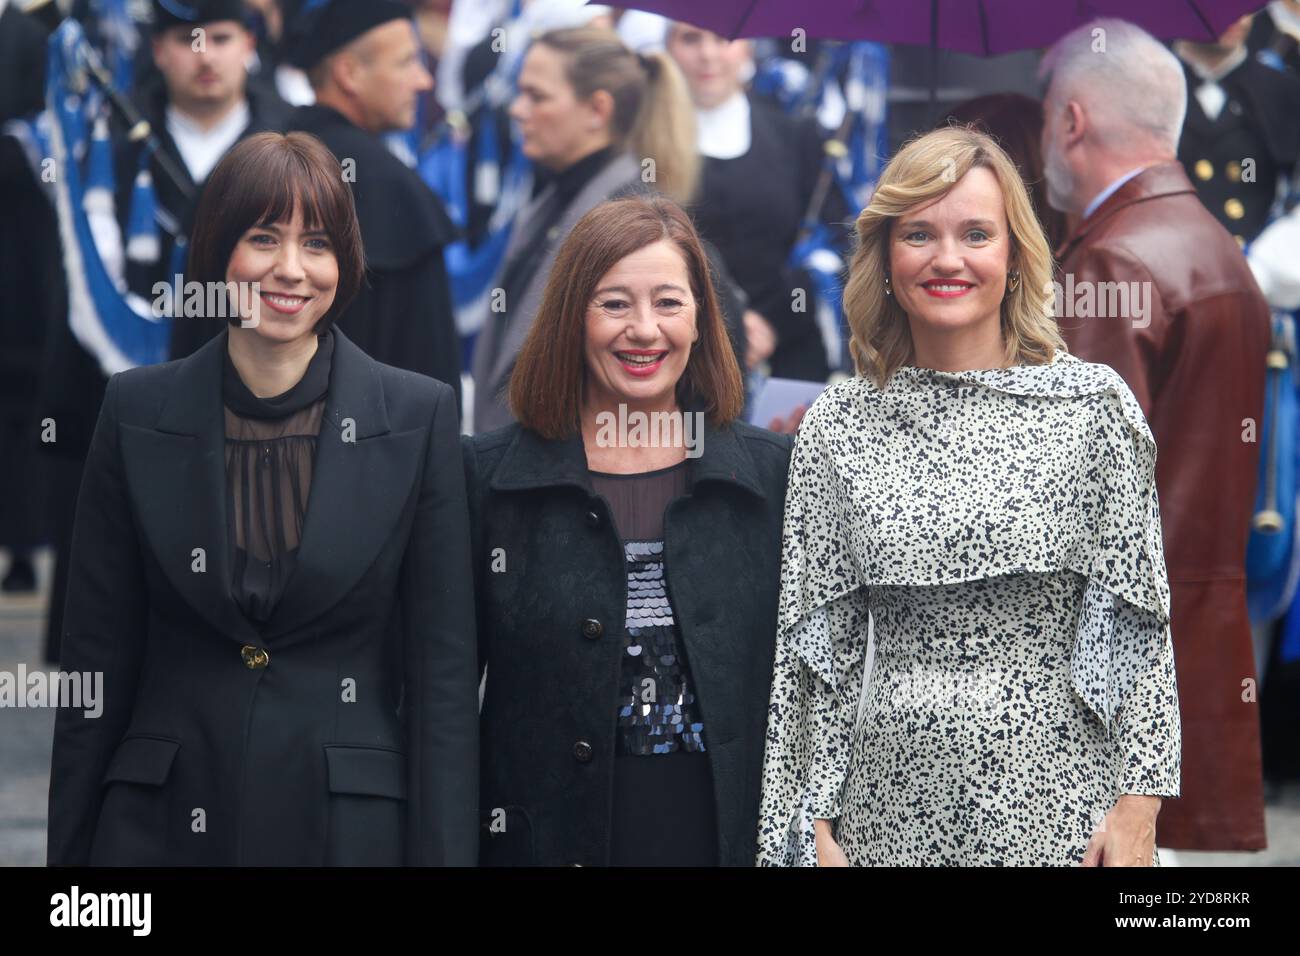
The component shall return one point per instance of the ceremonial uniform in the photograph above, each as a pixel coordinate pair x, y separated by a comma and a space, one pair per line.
759, 171
1240, 139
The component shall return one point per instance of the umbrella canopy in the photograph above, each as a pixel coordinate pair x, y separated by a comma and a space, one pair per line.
982, 27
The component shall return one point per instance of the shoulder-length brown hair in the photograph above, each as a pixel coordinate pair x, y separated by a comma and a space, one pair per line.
550, 374
260, 181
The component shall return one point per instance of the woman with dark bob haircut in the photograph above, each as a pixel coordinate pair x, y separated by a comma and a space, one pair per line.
270, 570
627, 537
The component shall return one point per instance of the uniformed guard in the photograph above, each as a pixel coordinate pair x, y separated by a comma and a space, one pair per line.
1241, 137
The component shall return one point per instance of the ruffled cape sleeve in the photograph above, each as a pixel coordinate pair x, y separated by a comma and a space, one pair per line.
819, 648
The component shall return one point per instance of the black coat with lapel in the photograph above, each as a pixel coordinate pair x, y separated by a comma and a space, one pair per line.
357, 743
547, 558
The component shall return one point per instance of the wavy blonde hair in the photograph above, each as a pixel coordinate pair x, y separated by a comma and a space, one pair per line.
923, 171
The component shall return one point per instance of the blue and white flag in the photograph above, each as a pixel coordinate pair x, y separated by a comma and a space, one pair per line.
502, 179
120, 330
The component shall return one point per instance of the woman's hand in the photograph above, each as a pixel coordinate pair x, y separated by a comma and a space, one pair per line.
1127, 835
788, 426
828, 851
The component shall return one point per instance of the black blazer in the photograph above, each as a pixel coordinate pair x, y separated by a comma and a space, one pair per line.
223, 744
550, 684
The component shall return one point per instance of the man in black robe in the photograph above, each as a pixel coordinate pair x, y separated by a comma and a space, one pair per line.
364, 62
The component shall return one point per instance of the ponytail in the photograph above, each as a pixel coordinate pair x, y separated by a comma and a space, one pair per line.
665, 128
653, 118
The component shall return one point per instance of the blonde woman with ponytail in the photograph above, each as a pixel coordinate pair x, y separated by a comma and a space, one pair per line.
990, 501
598, 121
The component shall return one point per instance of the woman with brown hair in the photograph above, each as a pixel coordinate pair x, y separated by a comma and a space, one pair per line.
989, 501
626, 537
270, 570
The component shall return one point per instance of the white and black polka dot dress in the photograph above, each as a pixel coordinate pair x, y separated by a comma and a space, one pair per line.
1002, 530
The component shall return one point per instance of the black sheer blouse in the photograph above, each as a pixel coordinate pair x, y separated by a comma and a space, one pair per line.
270, 451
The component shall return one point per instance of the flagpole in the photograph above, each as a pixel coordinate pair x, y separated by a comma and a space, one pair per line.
138, 128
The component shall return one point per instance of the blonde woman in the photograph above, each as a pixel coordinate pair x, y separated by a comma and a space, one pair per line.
599, 121
990, 501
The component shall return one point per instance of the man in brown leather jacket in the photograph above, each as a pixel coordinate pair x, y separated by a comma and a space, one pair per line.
1153, 286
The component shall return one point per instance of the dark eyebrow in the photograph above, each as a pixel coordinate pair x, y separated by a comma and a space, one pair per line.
275, 228
626, 291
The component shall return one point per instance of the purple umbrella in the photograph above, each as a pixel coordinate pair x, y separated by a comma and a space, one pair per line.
982, 27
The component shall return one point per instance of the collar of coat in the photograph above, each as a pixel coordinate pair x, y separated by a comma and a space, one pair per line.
177, 463
1154, 182
532, 462
355, 391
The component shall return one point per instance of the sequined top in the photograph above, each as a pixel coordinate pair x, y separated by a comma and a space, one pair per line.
658, 712
270, 450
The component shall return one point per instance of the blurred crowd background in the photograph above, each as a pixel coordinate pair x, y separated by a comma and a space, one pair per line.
113, 112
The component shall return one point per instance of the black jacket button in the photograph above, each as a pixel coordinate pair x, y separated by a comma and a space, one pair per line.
582, 751
255, 658
593, 519
592, 628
